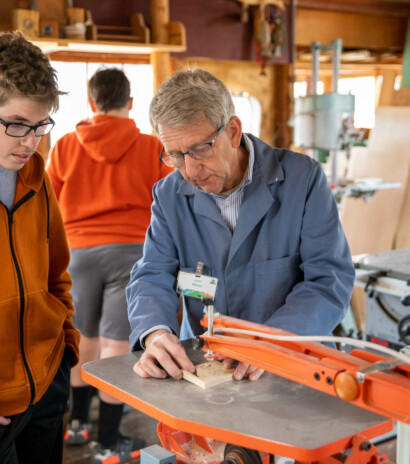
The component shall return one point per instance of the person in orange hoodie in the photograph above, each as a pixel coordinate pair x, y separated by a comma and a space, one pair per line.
103, 174
38, 342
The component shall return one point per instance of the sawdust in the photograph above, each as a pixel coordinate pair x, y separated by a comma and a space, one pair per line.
197, 455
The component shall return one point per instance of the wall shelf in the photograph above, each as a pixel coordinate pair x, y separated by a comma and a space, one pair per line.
49, 45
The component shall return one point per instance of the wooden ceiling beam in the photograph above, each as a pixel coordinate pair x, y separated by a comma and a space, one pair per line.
368, 7
371, 32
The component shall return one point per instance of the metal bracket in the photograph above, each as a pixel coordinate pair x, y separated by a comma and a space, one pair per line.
379, 366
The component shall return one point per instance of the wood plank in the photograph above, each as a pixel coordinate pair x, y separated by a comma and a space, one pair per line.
402, 239
371, 226
401, 97
209, 374
355, 30
244, 76
387, 89
380, 224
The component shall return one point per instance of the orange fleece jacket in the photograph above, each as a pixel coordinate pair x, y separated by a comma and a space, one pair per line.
35, 303
103, 174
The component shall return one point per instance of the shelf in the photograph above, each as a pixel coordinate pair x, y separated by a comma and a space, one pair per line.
49, 45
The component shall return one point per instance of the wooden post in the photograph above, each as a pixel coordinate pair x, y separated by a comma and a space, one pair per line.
161, 62
282, 102
161, 67
387, 89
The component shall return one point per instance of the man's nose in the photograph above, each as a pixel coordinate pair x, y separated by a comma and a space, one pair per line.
192, 166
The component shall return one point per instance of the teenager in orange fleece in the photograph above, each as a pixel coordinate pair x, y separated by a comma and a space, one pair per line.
103, 174
38, 342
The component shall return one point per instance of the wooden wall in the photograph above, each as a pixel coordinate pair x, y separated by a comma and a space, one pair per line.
214, 28
357, 30
240, 76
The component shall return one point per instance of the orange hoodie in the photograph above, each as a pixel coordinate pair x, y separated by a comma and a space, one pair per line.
35, 303
103, 175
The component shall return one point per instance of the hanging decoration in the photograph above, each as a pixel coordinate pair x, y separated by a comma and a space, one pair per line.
268, 34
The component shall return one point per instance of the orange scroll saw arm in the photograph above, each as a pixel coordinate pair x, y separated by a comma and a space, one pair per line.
367, 380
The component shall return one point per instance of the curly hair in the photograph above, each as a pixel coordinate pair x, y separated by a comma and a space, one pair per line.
25, 71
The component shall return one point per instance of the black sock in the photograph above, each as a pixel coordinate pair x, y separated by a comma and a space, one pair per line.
81, 403
109, 423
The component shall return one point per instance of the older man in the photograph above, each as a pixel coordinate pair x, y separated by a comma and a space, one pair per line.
262, 220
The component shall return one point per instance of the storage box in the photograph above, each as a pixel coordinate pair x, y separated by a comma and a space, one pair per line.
26, 21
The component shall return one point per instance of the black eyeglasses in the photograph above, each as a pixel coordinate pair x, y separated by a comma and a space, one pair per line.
199, 152
16, 129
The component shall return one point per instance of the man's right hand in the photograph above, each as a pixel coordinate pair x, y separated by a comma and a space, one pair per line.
4, 420
163, 355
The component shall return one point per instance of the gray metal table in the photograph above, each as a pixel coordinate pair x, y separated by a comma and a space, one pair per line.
273, 414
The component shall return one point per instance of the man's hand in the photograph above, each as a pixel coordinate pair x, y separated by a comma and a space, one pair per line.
243, 370
163, 355
4, 420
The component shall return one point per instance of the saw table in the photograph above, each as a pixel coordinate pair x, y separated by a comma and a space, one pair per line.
272, 415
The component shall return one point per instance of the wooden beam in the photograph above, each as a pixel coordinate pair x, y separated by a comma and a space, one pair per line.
387, 89
159, 21
161, 61
355, 30
369, 7
161, 68
283, 106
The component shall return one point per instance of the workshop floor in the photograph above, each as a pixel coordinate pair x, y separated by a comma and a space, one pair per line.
137, 424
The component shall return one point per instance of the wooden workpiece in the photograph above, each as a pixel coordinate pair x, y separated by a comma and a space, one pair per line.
209, 374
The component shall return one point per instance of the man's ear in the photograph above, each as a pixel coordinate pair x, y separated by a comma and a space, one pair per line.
234, 129
130, 103
93, 106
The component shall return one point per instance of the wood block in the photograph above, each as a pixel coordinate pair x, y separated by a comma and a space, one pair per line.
138, 28
49, 29
52, 10
75, 15
91, 32
209, 374
176, 33
26, 21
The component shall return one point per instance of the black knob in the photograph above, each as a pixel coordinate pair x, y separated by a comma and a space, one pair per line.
405, 300
404, 329
198, 343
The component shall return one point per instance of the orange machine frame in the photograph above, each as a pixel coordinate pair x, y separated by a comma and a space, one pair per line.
309, 363
317, 366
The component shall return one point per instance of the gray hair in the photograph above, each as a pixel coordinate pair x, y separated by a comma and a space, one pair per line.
187, 97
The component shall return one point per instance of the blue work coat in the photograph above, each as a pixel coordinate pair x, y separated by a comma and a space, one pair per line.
287, 263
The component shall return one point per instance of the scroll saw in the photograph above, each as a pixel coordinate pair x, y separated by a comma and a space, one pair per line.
314, 404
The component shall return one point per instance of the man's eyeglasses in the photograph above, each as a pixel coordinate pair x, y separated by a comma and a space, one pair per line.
16, 129
199, 152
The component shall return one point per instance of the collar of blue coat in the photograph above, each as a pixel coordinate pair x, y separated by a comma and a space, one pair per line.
263, 153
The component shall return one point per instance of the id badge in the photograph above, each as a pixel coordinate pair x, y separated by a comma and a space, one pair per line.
196, 285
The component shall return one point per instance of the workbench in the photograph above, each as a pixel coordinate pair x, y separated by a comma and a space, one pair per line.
386, 279
385, 276
272, 415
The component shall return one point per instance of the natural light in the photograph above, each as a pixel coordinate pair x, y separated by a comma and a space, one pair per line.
73, 78
364, 91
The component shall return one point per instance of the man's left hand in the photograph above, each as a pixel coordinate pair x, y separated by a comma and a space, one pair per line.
243, 370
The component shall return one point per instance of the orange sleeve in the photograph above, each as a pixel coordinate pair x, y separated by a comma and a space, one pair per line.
59, 281
52, 170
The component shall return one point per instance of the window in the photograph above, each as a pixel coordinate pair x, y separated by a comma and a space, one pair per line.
364, 91
249, 111
73, 78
